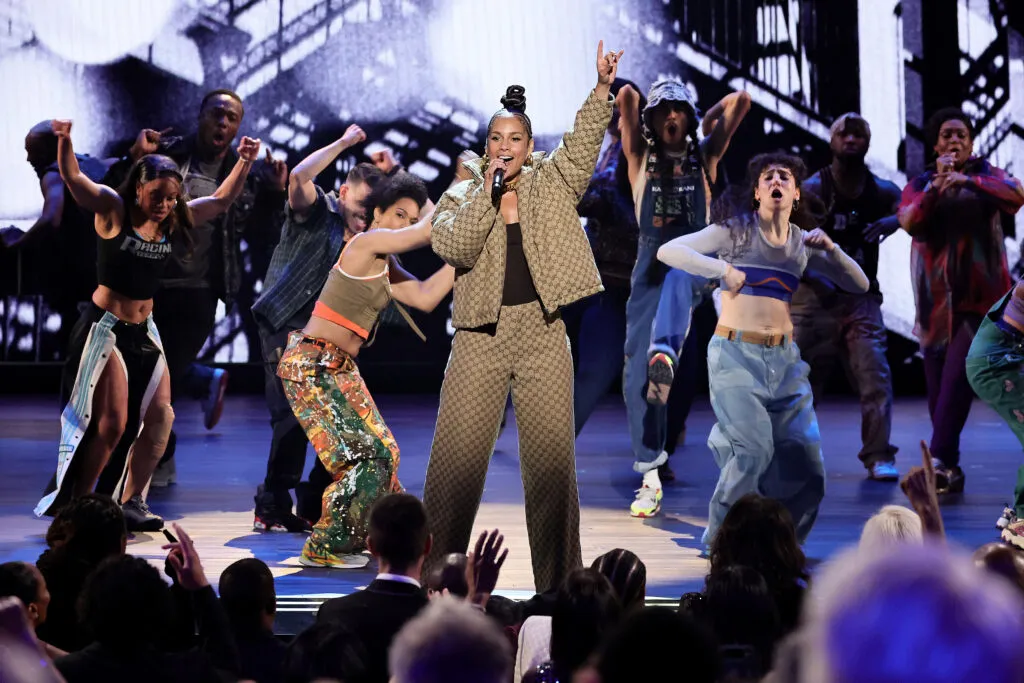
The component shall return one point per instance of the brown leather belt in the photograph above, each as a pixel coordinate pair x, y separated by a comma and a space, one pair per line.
759, 338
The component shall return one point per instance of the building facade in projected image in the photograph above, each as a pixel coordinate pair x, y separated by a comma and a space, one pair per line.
423, 77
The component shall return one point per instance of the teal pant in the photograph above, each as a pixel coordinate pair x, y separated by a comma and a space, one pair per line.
995, 369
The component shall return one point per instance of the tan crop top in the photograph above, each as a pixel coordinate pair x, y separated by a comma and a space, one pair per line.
355, 303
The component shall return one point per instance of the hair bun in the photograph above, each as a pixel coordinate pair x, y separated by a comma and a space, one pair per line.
515, 98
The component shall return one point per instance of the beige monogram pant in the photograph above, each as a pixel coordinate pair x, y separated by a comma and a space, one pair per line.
528, 353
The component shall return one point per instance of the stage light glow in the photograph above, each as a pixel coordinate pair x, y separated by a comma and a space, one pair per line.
39, 86
97, 31
480, 48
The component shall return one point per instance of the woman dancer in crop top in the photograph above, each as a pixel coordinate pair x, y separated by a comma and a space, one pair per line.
323, 384
766, 439
109, 401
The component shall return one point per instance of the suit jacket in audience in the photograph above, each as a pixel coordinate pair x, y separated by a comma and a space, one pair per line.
377, 614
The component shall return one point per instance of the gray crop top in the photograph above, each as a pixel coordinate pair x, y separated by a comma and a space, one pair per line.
772, 270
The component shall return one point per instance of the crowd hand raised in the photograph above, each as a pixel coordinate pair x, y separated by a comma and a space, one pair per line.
734, 279
919, 483
819, 239
274, 171
184, 561
607, 64
249, 148
61, 127
484, 566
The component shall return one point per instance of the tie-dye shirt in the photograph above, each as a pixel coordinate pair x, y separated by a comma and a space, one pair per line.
958, 259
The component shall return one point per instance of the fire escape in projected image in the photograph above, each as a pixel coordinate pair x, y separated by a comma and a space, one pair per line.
781, 51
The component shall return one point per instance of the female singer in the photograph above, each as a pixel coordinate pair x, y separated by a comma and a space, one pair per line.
520, 254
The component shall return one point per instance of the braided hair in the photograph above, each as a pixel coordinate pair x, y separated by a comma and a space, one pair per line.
513, 103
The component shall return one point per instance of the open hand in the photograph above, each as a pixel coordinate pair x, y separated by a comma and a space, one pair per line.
274, 172
819, 239
484, 565
607, 64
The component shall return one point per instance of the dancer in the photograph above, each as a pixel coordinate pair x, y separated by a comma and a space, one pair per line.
611, 228
323, 384
861, 207
671, 174
317, 226
193, 282
953, 212
116, 363
521, 256
766, 439
995, 369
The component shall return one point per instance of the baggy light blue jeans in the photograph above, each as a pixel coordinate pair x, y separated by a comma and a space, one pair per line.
659, 308
766, 440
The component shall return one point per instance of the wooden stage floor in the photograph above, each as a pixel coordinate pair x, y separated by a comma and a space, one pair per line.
218, 472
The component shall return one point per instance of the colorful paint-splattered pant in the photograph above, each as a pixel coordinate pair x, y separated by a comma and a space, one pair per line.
995, 369
528, 352
332, 404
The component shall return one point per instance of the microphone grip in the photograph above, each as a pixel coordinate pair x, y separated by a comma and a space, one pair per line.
497, 185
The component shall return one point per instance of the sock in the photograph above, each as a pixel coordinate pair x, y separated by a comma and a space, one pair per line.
651, 479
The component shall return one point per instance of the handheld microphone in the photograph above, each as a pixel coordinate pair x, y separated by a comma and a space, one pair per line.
497, 185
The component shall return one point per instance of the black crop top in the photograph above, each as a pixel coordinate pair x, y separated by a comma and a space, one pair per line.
131, 266
519, 288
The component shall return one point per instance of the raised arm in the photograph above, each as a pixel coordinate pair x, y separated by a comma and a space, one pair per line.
633, 144
301, 191
825, 257
424, 295
99, 199
720, 124
575, 157
208, 208
463, 220
692, 252
378, 242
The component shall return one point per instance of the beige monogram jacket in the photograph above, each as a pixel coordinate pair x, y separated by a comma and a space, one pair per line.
469, 233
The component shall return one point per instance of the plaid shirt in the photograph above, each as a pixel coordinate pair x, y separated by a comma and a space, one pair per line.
310, 245
958, 260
